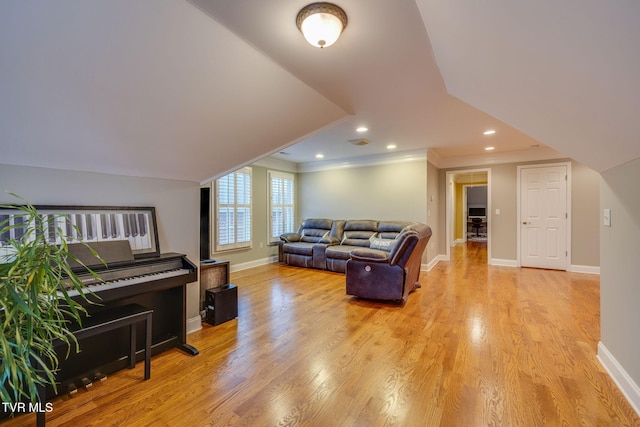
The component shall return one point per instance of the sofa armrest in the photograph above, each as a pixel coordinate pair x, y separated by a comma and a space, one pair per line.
290, 237
370, 256
329, 240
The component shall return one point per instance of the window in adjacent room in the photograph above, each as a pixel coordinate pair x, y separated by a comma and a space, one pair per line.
233, 210
281, 204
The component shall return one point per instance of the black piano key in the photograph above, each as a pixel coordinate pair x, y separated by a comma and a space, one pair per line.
19, 225
78, 227
68, 226
114, 226
125, 224
103, 226
133, 224
90, 227
142, 224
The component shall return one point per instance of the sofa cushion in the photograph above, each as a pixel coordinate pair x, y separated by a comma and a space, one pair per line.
340, 251
391, 229
313, 230
299, 248
358, 232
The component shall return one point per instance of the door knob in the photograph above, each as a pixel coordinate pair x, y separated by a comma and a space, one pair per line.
526, 223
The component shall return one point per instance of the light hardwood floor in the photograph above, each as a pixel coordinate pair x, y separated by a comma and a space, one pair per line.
475, 346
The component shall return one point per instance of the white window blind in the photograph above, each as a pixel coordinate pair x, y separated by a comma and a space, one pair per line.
281, 204
233, 210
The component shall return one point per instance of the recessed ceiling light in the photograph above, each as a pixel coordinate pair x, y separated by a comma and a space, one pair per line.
489, 148
319, 156
391, 146
362, 129
489, 132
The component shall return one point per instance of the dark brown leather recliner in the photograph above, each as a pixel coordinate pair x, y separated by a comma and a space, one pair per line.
392, 275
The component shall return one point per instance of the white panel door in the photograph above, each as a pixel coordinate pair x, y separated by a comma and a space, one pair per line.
543, 217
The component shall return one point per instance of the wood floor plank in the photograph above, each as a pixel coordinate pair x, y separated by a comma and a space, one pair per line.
476, 345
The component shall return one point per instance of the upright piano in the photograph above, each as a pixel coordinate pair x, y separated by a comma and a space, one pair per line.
131, 269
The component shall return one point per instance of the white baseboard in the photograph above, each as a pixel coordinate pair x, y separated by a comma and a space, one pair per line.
433, 262
459, 242
624, 382
589, 269
255, 263
194, 324
504, 262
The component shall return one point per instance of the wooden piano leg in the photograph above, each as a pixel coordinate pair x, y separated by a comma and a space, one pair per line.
132, 346
42, 397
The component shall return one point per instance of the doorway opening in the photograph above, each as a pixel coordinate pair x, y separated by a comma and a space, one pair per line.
468, 208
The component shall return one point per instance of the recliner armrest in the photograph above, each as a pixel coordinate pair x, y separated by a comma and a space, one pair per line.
290, 237
370, 256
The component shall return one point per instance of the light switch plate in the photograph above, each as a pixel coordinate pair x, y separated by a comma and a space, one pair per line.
606, 218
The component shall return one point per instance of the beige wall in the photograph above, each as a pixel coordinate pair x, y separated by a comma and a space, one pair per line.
620, 267
387, 192
504, 191
176, 203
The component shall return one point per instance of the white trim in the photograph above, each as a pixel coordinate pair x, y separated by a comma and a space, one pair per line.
537, 155
629, 389
449, 208
459, 242
194, 324
433, 263
504, 262
568, 202
254, 263
363, 161
588, 269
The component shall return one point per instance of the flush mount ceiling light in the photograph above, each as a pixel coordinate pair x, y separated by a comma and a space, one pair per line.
359, 141
321, 23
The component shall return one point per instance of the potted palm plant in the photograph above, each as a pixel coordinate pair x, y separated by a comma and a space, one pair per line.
35, 306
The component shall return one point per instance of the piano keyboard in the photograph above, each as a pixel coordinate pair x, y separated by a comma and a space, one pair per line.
120, 283
85, 227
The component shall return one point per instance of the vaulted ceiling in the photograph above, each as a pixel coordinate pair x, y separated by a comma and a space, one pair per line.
193, 89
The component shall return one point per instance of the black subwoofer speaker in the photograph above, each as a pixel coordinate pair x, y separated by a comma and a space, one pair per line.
221, 304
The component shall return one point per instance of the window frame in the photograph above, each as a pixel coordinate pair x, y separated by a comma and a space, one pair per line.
271, 175
236, 207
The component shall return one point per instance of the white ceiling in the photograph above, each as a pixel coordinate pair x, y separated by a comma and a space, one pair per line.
193, 89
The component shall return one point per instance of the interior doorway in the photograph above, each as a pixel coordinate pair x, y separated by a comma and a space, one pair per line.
458, 214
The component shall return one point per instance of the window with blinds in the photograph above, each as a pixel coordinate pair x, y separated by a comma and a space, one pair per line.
281, 204
233, 210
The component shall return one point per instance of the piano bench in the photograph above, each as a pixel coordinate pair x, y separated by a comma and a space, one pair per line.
107, 320
113, 318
